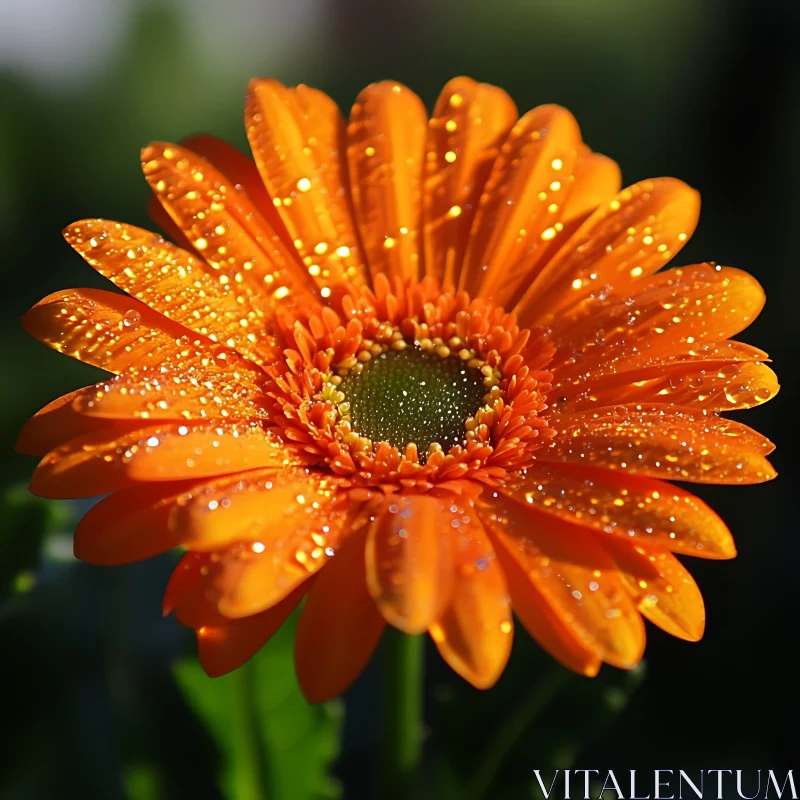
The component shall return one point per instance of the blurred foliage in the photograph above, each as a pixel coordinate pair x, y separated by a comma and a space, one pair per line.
102, 698
27, 520
538, 714
270, 737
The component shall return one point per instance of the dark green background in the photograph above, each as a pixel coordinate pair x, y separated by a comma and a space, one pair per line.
705, 90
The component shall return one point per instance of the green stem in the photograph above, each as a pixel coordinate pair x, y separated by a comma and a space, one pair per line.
402, 662
251, 778
512, 728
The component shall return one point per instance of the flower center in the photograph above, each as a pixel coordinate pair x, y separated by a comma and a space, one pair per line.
404, 396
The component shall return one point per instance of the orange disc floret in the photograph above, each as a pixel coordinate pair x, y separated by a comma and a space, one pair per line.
310, 412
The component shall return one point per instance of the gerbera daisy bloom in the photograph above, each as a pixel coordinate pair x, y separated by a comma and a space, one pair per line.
423, 372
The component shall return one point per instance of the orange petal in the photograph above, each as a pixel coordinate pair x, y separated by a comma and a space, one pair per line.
571, 370
470, 122
136, 523
409, 560
539, 619
708, 385
263, 505
164, 222
597, 180
726, 350
191, 595
57, 421
114, 332
130, 525
223, 643
640, 510
174, 283
180, 393
226, 228
340, 625
664, 591
184, 581
242, 171
297, 138
97, 464
223, 648
289, 540
386, 153
678, 315
662, 441
475, 632
522, 203
573, 573
632, 236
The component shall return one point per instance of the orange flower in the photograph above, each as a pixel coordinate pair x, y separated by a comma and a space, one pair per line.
417, 372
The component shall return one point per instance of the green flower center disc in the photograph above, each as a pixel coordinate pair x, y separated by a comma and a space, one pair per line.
408, 395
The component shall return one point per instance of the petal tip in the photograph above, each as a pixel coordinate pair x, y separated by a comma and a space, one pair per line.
70, 231
592, 668
483, 682
23, 446
727, 551
210, 665
157, 150
314, 698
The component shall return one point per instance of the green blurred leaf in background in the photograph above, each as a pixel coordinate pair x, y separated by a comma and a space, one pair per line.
274, 744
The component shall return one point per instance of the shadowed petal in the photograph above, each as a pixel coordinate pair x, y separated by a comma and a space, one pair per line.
474, 633
340, 625
409, 560
574, 575
49, 426
223, 648
550, 630
185, 581
130, 525
664, 591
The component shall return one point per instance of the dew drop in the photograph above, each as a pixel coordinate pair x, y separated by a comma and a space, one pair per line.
131, 319
676, 381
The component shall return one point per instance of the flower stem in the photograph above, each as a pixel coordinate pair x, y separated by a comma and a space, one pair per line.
402, 662
512, 728
250, 776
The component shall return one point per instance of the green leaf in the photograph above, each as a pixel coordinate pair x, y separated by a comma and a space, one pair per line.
27, 520
273, 743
